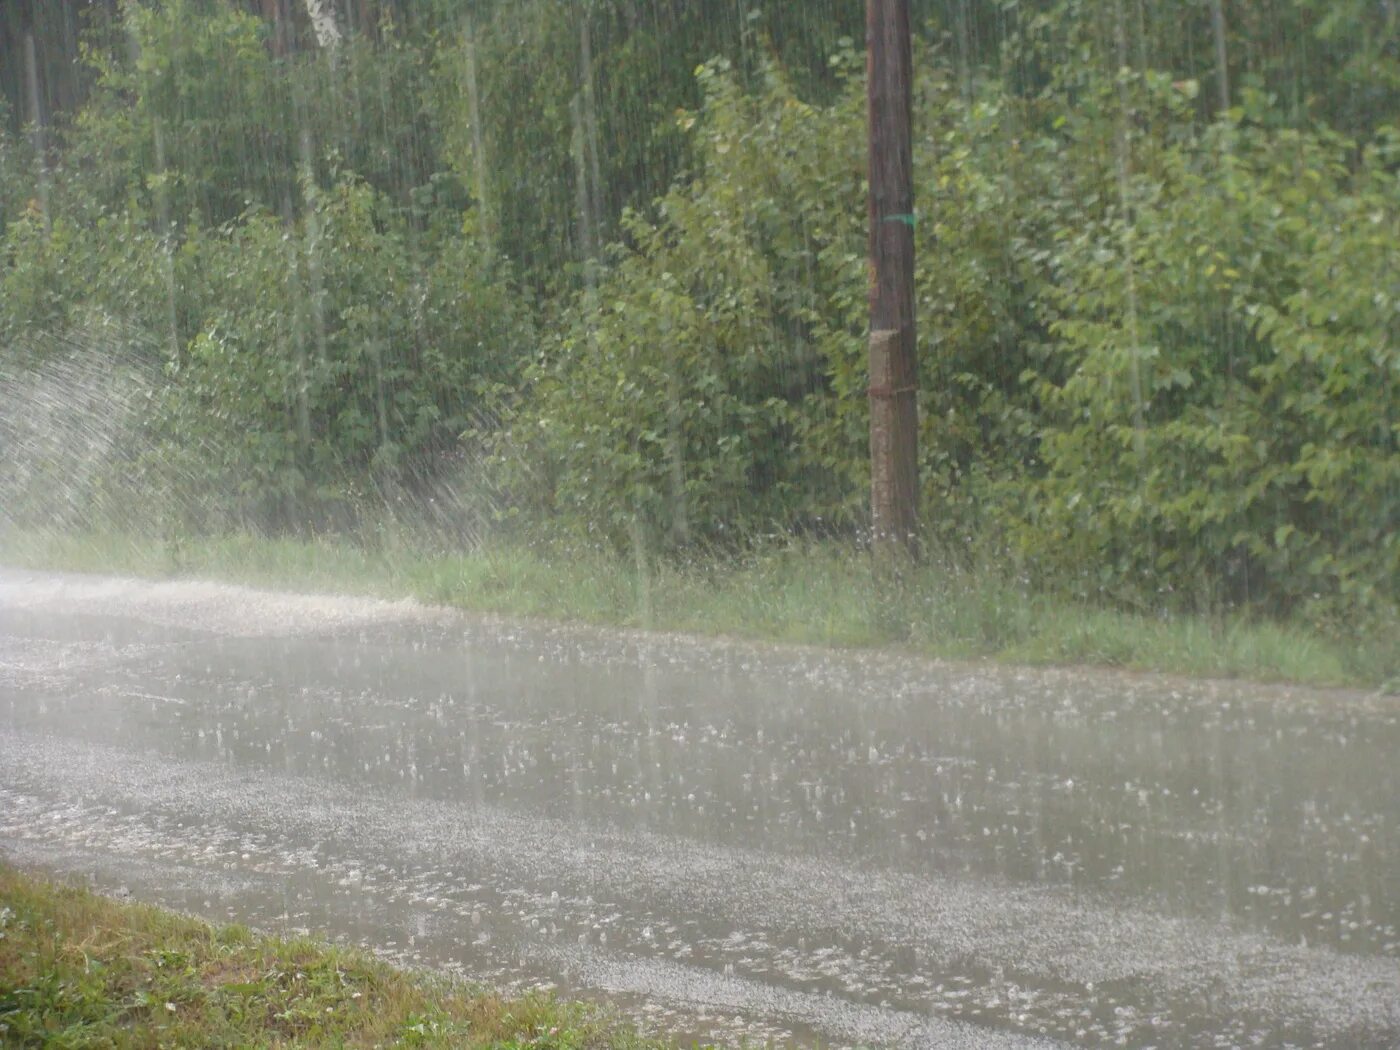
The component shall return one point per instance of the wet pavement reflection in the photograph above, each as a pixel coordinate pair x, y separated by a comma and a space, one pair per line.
729, 841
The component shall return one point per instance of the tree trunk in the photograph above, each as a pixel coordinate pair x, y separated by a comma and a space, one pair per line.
587, 220
38, 125
311, 232
167, 243
1129, 235
590, 117
675, 445
487, 221
278, 14
324, 24
1222, 54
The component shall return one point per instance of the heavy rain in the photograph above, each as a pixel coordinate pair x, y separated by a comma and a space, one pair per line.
802, 522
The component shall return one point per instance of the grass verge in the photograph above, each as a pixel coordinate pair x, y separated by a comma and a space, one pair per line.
810, 593
80, 970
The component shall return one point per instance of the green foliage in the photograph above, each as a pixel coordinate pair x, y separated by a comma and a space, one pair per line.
267, 231
196, 117
719, 383
186, 113
334, 357
531, 74
682, 389
17, 175
1225, 424
66, 275
1158, 356
1157, 331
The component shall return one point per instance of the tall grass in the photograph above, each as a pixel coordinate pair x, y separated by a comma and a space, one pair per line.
792, 591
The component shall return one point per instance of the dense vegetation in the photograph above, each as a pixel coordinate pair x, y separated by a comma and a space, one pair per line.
598, 269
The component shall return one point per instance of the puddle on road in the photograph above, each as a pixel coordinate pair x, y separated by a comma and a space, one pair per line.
726, 838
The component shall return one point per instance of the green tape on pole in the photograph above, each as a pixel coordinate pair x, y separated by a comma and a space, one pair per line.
909, 220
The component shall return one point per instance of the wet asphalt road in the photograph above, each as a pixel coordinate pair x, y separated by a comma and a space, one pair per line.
728, 841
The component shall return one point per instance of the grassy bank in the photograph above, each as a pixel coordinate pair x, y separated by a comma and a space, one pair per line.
77, 969
815, 594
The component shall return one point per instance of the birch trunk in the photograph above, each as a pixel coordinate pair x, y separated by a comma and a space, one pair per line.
323, 23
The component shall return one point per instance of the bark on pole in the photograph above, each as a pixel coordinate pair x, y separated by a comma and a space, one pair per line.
894, 476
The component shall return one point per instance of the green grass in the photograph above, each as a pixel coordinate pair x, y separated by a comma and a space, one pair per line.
812, 593
80, 970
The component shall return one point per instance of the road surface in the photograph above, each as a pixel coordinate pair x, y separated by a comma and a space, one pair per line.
727, 841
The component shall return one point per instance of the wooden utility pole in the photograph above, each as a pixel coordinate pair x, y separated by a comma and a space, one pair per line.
894, 416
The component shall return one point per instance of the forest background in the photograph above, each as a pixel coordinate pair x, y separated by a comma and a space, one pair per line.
591, 274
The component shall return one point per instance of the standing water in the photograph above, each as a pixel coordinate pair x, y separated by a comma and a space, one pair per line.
729, 841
